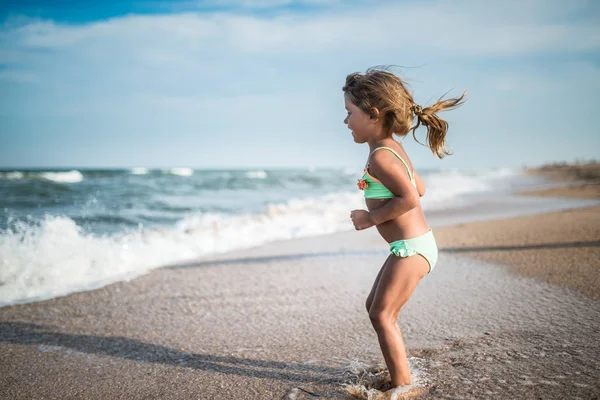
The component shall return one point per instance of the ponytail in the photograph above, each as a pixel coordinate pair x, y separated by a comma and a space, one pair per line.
436, 126
386, 92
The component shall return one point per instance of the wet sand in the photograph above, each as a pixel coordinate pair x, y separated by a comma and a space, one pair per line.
562, 248
556, 362
496, 319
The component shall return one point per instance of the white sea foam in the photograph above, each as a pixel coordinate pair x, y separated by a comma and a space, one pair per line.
372, 382
14, 175
256, 174
182, 171
139, 171
447, 188
75, 261
67, 177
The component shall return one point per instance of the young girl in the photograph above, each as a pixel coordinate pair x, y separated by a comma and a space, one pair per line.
379, 105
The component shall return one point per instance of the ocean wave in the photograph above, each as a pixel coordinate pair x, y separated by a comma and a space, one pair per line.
76, 261
107, 219
54, 176
63, 177
445, 189
55, 256
256, 174
181, 171
14, 175
139, 171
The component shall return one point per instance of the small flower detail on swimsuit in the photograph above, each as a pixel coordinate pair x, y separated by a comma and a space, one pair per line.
399, 249
362, 184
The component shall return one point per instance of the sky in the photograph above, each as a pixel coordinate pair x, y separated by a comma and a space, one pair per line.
257, 83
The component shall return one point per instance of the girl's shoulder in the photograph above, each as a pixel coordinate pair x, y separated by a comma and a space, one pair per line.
388, 160
385, 154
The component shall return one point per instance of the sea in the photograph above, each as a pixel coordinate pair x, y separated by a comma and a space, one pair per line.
71, 230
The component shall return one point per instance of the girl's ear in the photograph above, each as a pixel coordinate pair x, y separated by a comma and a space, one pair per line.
374, 113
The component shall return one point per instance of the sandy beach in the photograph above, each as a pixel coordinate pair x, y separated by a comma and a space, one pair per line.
510, 311
562, 248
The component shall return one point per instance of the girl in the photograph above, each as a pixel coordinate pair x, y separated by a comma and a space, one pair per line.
379, 105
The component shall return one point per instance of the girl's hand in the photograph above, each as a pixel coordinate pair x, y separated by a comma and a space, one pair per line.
361, 219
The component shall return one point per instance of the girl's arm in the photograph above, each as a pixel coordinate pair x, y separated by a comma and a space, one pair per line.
392, 173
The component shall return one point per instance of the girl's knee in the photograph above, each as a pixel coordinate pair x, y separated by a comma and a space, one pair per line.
380, 319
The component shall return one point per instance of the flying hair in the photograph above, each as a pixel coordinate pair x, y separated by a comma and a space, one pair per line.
381, 89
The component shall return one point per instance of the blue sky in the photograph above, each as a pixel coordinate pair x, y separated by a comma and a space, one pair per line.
257, 83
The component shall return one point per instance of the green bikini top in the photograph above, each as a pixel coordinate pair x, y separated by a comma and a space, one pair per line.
373, 188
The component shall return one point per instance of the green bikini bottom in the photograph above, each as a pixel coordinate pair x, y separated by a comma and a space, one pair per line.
424, 245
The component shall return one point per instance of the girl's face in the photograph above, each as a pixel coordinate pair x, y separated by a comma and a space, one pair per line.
358, 122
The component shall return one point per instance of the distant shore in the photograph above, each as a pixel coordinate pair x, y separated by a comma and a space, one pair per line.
588, 171
579, 180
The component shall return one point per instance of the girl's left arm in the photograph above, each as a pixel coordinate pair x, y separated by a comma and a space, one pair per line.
392, 174
393, 208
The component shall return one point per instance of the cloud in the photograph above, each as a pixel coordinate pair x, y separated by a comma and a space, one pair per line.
449, 27
267, 72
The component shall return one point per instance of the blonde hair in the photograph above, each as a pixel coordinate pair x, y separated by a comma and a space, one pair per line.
385, 91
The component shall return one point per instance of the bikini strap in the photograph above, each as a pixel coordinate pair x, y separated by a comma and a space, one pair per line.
410, 174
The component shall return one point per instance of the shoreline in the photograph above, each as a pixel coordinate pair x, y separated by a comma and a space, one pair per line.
571, 180
564, 172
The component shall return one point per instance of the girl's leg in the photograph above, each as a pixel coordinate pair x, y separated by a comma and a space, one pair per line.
396, 284
372, 293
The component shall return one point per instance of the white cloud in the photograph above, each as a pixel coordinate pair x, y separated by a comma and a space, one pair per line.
263, 73
502, 29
